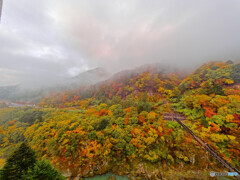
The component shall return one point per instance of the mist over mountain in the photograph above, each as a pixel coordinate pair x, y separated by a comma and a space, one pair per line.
34, 90
90, 76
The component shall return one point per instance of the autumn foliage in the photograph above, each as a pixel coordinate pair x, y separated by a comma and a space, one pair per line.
121, 121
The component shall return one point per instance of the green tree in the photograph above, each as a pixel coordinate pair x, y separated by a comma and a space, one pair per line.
18, 163
212, 88
102, 124
43, 170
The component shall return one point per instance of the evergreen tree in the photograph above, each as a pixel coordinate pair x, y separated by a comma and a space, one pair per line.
18, 163
22, 164
43, 170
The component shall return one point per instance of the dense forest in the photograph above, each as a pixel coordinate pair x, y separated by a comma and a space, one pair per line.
118, 125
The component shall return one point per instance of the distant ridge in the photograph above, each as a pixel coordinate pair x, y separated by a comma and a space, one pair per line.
91, 76
154, 68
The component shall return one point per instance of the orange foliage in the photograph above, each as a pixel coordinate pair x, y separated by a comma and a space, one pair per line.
214, 128
141, 118
127, 110
12, 122
209, 112
103, 112
126, 120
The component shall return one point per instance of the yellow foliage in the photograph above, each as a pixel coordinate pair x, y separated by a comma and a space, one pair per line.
229, 118
229, 81
151, 115
149, 140
232, 138
161, 90
160, 129
218, 137
2, 162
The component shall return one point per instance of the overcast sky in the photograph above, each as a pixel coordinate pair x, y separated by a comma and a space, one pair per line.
55, 38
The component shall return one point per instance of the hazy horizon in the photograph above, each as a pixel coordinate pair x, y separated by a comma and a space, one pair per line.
49, 40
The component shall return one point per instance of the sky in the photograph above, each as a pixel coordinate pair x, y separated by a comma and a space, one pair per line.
49, 40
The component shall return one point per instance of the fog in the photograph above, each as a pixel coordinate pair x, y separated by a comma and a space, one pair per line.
44, 42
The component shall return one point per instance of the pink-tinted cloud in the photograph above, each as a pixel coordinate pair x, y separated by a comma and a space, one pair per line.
58, 37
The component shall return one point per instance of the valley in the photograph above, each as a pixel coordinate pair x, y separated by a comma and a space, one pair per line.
123, 124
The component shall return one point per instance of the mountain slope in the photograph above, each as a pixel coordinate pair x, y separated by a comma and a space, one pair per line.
118, 125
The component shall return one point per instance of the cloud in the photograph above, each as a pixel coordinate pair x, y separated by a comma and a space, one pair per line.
57, 38
8, 76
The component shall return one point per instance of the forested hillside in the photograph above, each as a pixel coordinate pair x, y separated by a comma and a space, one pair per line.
119, 126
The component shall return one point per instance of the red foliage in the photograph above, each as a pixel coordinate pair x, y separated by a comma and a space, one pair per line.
169, 131
209, 112
237, 119
61, 106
